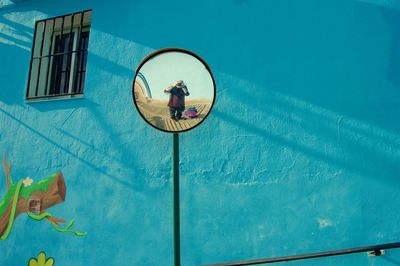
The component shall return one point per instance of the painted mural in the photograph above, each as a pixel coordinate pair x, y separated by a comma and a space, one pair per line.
41, 260
33, 198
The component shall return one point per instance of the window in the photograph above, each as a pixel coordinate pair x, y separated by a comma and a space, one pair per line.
59, 55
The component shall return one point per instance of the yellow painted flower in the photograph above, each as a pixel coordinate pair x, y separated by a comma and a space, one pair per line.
27, 182
41, 260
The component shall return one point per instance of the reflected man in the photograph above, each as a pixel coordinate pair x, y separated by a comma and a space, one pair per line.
176, 101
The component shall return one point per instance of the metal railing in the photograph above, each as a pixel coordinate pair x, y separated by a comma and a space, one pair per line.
376, 250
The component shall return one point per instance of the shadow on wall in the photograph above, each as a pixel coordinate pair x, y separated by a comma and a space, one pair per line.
392, 17
15, 44
304, 50
291, 66
321, 66
299, 79
16, 41
321, 135
110, 66
391, 260
51, 140
299, 65
16, 33
113, 160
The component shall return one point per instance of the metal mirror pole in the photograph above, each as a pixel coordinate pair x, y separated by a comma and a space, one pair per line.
175, 173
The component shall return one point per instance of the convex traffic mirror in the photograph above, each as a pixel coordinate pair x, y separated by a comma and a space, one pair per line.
173, 90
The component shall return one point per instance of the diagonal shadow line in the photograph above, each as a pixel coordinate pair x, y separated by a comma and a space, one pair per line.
295, 115
91, 165
13, 41
312, 153
17, 4
94, 148
10, 38
109, 66
280, 100
384, 4
392, 261
14, 36
22, 29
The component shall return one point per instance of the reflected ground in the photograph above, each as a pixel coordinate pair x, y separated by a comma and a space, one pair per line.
156, 112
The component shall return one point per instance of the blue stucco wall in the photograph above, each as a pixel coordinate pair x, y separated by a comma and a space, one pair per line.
300, 154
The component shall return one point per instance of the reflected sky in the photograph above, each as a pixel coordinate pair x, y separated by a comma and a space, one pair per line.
165, 69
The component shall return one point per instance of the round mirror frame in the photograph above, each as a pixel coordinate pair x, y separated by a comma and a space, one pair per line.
167, 50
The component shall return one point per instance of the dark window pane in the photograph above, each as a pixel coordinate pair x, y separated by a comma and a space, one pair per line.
82, 81
62, 63
82, 58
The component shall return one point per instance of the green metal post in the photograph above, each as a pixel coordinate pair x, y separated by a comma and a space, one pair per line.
175, 172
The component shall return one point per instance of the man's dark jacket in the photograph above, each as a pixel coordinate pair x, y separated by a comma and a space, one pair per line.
177, 97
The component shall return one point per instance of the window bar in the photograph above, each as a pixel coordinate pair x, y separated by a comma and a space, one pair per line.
62, 31
40, 58
80, 56
58, 77
69, 57
83, 63
30, 68
50, 57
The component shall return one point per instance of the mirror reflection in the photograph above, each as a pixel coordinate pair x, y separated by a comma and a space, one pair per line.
173, 90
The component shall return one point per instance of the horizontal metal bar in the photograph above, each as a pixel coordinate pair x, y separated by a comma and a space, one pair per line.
72, 14
54, 96
63, 53
311, 255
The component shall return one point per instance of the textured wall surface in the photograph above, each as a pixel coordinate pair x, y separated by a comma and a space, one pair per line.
300, 154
